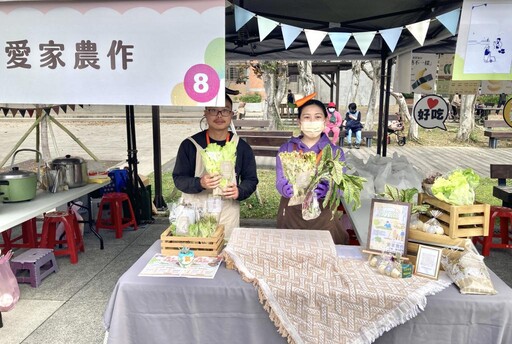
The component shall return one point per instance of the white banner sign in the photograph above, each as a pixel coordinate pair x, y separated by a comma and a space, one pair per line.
113, 52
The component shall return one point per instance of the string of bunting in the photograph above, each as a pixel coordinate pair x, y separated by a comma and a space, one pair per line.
47, 109
391, 36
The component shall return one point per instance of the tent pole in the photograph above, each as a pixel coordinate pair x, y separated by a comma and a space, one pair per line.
380, 129
157, 159
386, 107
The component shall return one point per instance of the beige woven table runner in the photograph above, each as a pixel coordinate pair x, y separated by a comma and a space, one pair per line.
313, 296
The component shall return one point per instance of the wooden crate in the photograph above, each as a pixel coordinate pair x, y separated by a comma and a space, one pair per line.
416, 237
459, 221
212, 246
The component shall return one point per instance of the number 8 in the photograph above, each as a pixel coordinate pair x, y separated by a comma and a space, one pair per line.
201, 83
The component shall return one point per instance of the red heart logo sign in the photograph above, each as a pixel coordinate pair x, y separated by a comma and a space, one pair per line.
432, 103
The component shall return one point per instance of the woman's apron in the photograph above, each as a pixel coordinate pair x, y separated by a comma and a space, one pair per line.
230, 208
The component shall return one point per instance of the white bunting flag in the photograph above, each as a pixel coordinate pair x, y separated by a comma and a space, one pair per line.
419, 30
314, 38
364, 39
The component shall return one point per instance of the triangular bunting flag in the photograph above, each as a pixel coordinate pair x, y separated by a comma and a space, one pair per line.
242, 16
56, 109
450, 20
339, 40
419, 30
314, 38
391, 37
290, 33
265, 26
72, 107
14, 112
30, 112
81, 105
64, 108
47, 110
364, 39
6, 111
22, 112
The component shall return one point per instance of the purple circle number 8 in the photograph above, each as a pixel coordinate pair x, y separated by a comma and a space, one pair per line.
201, 83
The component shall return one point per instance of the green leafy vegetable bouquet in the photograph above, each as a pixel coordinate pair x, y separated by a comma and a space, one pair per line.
299, 168
457, 188
218, 160
341, 185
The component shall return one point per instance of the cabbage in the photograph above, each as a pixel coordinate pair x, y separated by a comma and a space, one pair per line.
215, 156
457, 188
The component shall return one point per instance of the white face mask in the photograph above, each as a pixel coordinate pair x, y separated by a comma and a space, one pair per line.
331, 110
312, 129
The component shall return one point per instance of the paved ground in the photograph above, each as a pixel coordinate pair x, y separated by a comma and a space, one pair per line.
105, 138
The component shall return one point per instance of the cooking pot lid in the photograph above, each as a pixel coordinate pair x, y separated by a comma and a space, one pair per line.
68, 160
16, 173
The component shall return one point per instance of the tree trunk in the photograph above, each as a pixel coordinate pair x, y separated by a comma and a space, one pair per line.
306, 81
406, 116
374, 75
274, 75
467, 121
354, 89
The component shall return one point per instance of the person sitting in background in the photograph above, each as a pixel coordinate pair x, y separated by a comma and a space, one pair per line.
353, 124
312, 119
502, 101
333, 123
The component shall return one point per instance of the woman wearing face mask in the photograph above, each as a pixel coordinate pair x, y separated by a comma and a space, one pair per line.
312, 120
334, 120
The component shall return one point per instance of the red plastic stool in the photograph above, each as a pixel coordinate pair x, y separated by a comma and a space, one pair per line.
73, 241
116, 222
505, 216
28, 235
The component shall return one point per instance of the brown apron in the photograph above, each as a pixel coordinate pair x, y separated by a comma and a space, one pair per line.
290, 217
230, 212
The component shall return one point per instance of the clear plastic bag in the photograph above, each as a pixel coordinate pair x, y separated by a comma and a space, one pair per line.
310, 206
433, 226
9, 289
467, 270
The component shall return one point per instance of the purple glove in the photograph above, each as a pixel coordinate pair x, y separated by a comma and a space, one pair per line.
321, 189
287, 190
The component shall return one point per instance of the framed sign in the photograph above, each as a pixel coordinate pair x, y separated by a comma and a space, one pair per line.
428, 261
388, 228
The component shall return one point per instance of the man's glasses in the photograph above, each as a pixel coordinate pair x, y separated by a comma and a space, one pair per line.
223, 112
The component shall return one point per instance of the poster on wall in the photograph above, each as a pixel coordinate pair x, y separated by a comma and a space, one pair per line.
496, 87
484, 44
423, 73
113, 52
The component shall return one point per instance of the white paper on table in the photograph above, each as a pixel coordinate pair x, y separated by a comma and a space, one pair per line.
168, 266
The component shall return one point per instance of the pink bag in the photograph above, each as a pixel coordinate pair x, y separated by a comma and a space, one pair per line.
9, 290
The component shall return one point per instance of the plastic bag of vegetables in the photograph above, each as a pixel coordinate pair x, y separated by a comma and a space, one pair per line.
299, 168
220, 160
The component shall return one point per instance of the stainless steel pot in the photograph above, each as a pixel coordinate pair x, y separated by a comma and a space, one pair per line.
74, 168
